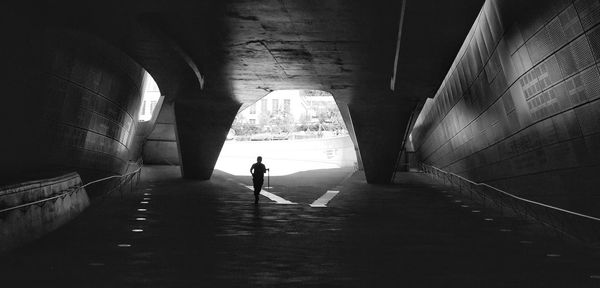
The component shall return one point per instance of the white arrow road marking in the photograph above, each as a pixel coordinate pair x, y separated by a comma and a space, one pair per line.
322, 201
273, 197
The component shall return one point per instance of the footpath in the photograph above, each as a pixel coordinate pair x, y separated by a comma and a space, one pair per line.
172, 232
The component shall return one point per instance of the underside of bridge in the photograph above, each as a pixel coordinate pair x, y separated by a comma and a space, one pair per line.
75, 73
517, 107
501, 92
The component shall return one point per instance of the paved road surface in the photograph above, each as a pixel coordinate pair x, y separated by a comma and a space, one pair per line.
210, 234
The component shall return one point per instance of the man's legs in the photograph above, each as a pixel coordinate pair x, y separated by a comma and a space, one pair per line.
257, 187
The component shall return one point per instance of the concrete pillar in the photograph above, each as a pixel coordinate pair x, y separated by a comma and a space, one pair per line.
143, 131
202, 127
343, 107
379, 129
160, 147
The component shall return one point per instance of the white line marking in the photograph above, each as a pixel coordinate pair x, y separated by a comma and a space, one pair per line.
273, 197
323, 200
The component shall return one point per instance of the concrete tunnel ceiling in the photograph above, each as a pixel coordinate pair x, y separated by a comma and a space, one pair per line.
345, 47
205, 53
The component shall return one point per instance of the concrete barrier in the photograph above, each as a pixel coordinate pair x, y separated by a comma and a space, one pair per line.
337, 150
30, 222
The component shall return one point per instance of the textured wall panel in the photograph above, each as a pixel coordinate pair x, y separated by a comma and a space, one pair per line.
588, 118
575, 56
93, 95
594, 38
483, 50
475, 63
532, 108
556, 33
540, 45
496, 29
569, 20
589, 12
486, 32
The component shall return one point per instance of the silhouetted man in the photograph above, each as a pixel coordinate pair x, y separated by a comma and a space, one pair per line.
258, 171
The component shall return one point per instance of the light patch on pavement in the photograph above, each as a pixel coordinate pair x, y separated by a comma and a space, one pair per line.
323, 200
278, 167
273, 197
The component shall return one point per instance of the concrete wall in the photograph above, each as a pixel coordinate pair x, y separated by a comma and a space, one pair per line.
519, 107
160, 146
91, 106
142, 131
31, 222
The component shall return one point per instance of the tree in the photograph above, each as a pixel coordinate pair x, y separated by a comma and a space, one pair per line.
242, 127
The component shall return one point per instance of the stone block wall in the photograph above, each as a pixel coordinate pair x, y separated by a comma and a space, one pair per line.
519, 107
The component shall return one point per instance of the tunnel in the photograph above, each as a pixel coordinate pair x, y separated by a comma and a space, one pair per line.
474, 129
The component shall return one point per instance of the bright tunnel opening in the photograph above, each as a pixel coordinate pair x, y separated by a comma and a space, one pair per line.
150, 97
293, 130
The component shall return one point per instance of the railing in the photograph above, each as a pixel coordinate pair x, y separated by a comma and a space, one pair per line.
562, 222
407, 130
128, 178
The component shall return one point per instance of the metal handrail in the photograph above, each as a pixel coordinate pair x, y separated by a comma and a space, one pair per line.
111, 177
565, 222
74, 190
517, 197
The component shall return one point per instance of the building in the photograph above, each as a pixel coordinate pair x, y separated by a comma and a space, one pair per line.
150, 96
301, 106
